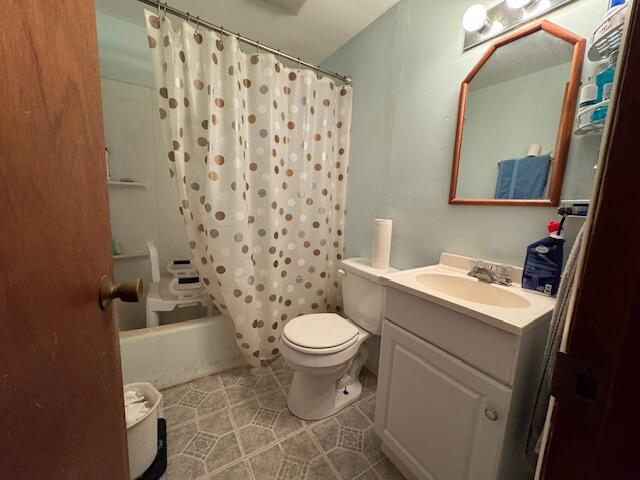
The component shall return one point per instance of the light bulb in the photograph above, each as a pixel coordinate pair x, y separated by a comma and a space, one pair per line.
515, 4
475, 19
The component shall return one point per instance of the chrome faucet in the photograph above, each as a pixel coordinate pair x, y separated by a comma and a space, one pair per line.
486, 272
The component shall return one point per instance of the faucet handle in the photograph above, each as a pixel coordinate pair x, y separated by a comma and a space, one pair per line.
491, 272
504, 274
480, 265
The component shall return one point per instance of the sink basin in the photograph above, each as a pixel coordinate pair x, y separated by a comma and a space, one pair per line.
446, 284
472, 290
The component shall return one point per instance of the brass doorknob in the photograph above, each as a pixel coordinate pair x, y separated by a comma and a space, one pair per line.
127, 291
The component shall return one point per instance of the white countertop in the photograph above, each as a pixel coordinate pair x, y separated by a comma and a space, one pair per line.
512, 320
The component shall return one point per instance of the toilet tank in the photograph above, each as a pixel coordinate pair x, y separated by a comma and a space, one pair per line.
363, 293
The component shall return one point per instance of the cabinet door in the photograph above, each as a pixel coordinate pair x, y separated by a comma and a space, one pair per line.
433, 410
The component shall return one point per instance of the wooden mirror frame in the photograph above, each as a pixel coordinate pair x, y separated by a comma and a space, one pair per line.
565, 129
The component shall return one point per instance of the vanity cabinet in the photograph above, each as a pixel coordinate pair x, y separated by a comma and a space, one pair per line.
455, 394
434, 413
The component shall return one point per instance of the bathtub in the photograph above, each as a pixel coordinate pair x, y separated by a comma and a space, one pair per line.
172, 354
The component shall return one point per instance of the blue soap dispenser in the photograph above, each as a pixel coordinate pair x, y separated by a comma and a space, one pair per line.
543, 264
604, 79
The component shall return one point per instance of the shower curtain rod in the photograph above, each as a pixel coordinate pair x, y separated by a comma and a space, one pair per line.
203, 23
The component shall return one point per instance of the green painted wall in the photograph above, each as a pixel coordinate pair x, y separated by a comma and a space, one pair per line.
407, 67
123, 50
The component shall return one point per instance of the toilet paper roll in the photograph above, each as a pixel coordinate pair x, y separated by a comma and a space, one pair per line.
381, 243
534, 150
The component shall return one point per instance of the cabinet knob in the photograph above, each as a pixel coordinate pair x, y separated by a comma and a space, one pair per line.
491, 414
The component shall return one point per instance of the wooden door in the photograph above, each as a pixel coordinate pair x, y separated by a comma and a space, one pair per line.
61, 405
433, 410
594, 432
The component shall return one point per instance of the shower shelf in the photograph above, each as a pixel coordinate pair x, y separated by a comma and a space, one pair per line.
590, 120
124, 256
117, 183
607, 38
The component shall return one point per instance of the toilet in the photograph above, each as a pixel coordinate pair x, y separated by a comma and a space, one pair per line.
327, 351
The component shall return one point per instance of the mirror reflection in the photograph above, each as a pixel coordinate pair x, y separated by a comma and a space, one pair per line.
511, 119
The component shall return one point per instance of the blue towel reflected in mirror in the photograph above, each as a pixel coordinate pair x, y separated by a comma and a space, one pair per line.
523, 178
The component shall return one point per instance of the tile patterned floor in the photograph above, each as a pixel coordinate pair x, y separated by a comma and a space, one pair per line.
236, 426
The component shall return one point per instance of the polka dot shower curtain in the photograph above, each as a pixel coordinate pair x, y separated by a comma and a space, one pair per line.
258, 154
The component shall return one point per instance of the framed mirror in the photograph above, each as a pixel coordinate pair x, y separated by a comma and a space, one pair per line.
515, 119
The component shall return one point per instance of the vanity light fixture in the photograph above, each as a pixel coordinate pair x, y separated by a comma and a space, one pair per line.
482, 24
476, 20
515, 4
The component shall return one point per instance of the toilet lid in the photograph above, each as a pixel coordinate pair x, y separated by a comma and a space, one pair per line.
319, 330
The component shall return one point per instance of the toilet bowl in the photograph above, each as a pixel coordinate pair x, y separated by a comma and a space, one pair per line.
327, 351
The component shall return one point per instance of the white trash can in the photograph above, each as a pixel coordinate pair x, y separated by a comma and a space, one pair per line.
142, 436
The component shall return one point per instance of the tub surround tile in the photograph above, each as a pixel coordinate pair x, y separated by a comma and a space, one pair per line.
236, 426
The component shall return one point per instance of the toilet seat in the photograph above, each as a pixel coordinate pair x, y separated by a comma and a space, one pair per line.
319, 333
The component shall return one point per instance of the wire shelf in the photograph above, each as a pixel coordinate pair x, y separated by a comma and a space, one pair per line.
590, 120
119, 183
124, 256
608, 37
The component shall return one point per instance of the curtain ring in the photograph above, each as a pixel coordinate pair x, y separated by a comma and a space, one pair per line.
278, 56
198, 24
257, 47
159, 10
188, 18
164, 15
298, 64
